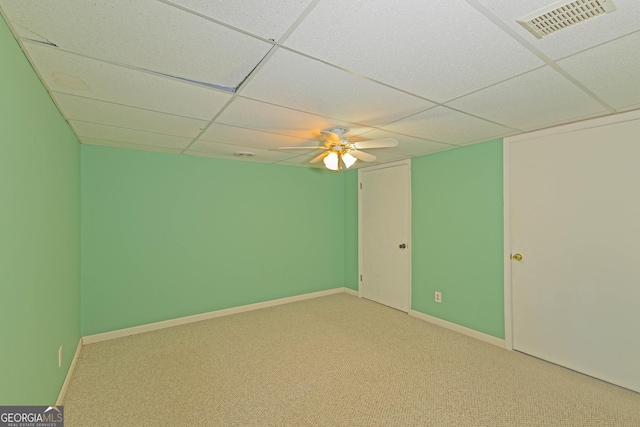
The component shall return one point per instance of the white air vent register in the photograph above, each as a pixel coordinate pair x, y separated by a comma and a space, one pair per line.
563, 14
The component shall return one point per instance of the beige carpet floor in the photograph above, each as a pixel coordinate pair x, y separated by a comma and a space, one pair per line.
330, 361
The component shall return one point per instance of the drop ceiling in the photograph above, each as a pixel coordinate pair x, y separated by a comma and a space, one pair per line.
203, 78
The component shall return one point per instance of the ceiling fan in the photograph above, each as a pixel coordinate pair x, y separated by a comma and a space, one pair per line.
338, 150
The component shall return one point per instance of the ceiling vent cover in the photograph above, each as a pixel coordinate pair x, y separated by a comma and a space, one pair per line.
564, 14
244, 154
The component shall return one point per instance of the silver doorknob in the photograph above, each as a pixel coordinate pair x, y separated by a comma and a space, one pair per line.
402, 246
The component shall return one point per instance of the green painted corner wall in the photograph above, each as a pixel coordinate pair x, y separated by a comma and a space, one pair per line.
40, 235
167, 236
457, 236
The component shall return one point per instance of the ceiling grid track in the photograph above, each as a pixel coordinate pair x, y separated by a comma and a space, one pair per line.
253, 72
217, 21
117, 64
550, 62
601, 44
143, 76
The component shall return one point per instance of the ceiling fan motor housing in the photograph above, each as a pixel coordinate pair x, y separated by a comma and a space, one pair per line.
338, 131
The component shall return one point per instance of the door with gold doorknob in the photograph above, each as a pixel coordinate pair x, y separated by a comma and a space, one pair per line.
575, 226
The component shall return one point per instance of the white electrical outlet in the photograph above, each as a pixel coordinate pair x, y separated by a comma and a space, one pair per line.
60, 357
438, 297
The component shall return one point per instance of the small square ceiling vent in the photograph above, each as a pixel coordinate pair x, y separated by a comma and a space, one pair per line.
563, 14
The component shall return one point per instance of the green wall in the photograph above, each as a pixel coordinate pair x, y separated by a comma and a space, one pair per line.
457, 236
167, 236
39, 235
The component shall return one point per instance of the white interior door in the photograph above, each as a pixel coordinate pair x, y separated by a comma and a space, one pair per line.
575, 219
385, 251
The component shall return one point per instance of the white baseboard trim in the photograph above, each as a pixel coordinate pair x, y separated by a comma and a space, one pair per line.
119, 333
67, 378
351, 292
460, 329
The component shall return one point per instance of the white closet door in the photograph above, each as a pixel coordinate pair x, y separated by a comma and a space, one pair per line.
575, 219
385, 255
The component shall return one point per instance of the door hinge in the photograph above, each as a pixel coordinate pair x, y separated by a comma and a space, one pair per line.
361, 186
361, 277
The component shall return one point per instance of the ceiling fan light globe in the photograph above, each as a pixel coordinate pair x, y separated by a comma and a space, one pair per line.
348, 160
331, 161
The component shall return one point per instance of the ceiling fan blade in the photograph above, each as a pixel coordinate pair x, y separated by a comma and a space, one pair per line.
361, 155
377, 143
302, 148
331, 137
320, 157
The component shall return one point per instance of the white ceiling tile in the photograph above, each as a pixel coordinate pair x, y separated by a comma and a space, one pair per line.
129, 136
272, 118
313, 150
68, 73
251, 138
266, 19
309, 85
439, 50
444, 125
611, 71
225, 151
141, 33
106, 113
453, 52
575, 38
543, 98
304, 164
116, 144
228, 150
408, 146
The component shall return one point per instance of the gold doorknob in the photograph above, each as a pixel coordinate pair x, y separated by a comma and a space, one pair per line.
517, 257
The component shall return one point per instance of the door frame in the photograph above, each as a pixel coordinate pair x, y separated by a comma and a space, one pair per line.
506, 188
406, 163
506, 177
